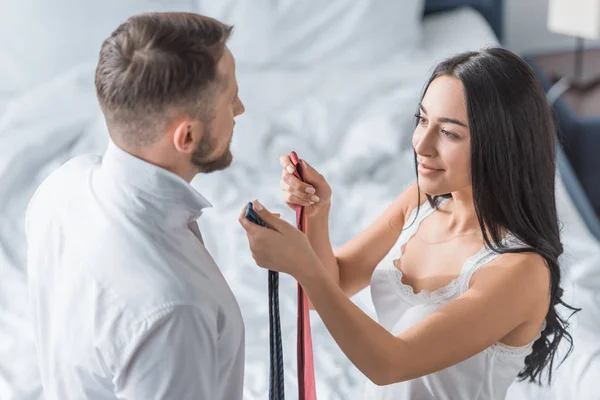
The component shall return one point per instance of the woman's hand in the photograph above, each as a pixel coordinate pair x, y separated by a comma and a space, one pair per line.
281, 247
314, 193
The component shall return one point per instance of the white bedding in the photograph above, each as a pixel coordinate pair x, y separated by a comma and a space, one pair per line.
353, 125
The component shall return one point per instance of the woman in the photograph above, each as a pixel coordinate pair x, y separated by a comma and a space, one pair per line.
466, 283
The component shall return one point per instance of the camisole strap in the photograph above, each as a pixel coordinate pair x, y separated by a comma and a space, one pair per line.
417, 215
485, 256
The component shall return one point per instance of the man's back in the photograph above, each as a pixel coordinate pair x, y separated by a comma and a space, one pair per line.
127, 302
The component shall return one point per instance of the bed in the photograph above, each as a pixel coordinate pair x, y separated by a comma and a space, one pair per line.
347, 114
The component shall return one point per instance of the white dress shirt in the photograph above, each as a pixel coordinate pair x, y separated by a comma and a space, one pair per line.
127, 302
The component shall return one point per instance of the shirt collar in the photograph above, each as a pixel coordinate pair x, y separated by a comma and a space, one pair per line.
168, 191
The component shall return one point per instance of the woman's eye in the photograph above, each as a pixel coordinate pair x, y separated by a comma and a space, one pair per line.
449, 135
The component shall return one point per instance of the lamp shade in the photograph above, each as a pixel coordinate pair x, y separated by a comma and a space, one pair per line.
579, 18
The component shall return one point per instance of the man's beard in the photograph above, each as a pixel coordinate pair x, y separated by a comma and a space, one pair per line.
201, 157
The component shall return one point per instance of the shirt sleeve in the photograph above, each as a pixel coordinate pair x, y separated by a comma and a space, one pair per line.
173, 356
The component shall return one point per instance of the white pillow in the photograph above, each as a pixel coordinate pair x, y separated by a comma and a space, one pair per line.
41, 39
305, 33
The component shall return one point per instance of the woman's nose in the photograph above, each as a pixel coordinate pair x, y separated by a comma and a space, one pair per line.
424, 143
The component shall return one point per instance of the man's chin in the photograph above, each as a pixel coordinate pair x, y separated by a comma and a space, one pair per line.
219, 164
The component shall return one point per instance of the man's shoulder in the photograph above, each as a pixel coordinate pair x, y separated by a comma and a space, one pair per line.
61, 181
68, 173
65, 175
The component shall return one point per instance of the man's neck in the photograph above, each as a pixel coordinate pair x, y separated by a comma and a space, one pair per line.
158, 155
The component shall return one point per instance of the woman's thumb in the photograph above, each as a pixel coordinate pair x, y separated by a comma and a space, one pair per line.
309, 172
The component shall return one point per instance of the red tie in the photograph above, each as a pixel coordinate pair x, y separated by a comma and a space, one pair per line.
306, 369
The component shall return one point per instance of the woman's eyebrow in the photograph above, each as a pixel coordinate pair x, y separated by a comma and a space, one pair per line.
444, 119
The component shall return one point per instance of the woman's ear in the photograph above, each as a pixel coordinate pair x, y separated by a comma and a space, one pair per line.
186, 135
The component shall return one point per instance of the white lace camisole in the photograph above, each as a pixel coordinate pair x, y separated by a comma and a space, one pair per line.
484, 376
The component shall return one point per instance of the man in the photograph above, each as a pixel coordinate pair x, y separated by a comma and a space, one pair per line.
127, 302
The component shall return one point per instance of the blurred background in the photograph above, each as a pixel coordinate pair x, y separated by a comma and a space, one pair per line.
336, 81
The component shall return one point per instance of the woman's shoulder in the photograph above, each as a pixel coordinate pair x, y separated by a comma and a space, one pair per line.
528, 265
527, 274
411, 198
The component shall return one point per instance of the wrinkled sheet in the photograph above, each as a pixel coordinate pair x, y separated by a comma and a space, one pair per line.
354, 126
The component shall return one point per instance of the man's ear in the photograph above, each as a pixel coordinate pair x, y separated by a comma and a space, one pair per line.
186, 135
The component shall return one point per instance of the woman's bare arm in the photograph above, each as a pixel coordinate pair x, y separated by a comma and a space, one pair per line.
514, 292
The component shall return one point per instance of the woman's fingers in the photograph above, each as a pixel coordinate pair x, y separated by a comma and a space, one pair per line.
295, 200
299, 188
295, 196
286, 164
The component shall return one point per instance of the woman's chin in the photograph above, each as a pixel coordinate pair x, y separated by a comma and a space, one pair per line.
433, 189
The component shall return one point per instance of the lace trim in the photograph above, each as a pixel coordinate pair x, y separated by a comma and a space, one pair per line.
512, 351
425, 210
440, 295
425, 296
508, 351
457, 286
488, 255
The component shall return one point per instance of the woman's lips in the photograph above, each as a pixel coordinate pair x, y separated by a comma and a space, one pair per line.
428, 170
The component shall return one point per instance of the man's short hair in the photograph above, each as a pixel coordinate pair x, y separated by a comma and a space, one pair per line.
154, 64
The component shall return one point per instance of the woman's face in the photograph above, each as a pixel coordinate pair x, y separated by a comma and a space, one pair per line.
442, 139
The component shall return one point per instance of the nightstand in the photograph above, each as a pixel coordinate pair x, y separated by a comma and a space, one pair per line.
578, 119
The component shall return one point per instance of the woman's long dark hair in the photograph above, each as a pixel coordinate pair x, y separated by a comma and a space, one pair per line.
513, 166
